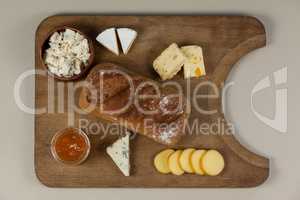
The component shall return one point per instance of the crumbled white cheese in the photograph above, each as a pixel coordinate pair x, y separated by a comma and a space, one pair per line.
68, 52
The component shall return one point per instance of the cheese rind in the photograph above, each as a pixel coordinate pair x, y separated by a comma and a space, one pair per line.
119, 153
127, 36
169, 62
108, 38
194, 64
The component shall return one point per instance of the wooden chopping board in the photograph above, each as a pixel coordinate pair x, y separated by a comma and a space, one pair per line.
225, 39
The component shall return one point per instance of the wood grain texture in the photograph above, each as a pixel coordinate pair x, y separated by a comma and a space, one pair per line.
225, 39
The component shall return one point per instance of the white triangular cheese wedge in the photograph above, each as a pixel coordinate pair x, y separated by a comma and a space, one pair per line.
127, 37
108, 38
119, 153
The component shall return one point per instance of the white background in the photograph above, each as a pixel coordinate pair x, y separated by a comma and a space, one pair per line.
19, 20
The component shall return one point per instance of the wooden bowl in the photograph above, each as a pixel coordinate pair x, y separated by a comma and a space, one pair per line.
84, 68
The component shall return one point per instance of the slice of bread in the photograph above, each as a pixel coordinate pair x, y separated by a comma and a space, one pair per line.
169, 62
194, 64
108, 38
126, 36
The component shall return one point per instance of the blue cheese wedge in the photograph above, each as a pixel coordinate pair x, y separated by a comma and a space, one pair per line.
119, 153
194, 64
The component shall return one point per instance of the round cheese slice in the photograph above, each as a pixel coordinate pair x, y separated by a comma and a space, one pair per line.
185, 160
161, 161
174, 163
212, 163
196, 161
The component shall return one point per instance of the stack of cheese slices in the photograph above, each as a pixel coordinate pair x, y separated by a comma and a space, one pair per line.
109, 39
190, 160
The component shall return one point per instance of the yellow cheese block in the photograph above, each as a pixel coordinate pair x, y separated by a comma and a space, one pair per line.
212, 163
161, 161
196, 161
174, 164
169, 62
185, 160
194, 64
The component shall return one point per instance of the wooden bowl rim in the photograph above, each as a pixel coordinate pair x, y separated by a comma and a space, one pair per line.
85, 69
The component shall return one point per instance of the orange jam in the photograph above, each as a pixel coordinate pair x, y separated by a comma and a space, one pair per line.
70, 145
198, 72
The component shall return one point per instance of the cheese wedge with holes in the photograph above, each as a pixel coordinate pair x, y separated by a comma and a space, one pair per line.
169, 62
108, 38
119, 153
194, 65
126, 36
